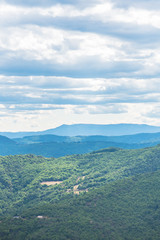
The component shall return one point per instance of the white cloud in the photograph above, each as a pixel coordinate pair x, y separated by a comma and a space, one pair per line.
75, 91
106, 54
153, 112
98, 109
58, 47
22, 38
104, 11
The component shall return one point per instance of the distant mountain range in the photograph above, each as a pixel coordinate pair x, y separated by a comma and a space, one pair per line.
140, 138
90, 129
56, 146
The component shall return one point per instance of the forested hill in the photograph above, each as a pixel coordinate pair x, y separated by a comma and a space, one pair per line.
107, 193
127, 209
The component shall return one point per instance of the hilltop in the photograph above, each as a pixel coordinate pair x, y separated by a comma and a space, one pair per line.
90, 129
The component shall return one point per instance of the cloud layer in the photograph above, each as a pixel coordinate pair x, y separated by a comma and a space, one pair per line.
79, 59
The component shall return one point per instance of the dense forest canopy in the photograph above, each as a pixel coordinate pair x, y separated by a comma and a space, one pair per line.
110, 192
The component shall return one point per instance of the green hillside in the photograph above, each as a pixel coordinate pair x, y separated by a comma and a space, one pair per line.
126, 209
111, 192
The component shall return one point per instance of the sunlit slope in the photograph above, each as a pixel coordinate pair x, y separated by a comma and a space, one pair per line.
21, 176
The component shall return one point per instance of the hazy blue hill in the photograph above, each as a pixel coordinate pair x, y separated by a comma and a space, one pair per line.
43, 139
137, 138
90, 129
58, 149
18, 134
54, 149
7, 146
128, 139
6, 140
57, 146
107, 130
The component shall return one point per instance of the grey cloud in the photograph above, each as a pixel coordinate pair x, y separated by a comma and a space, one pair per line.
101, 109
139, 34
87, 67
44, 3
37, 97
139, 37
145, 36
80, 86
47, 3
29, 94
31, 107
63, 91
147, 4
76, 109
154, 113
43, 82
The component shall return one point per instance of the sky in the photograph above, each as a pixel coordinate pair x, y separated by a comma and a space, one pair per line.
78, 61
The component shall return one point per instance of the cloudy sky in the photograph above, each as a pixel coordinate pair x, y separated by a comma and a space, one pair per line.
78, 61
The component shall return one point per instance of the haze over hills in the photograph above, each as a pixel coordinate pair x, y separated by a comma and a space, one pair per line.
56, 146
90, 129
135, 138
105, 130
6, 140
